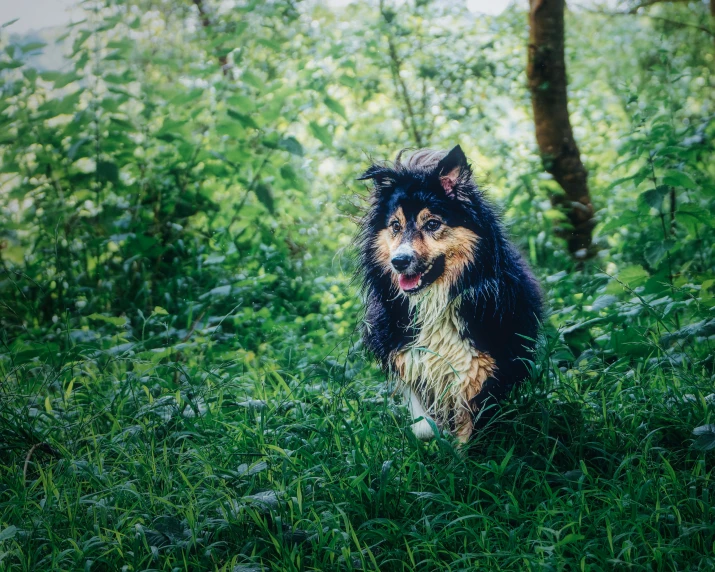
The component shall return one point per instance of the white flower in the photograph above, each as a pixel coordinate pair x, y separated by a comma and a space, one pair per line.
86, 165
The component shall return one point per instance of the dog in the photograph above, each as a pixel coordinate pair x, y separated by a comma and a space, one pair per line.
452, 310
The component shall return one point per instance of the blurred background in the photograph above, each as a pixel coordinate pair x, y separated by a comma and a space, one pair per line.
179, 196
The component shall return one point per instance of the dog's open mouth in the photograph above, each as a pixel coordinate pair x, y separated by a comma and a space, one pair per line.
411, 283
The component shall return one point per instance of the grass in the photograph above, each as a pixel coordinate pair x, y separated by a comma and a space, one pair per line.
200, 460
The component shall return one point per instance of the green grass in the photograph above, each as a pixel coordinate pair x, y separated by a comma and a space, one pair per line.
200, 460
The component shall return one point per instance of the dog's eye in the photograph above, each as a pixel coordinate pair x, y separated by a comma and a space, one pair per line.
395, 226
432, 225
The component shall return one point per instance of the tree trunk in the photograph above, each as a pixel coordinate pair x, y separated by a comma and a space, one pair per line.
546, 72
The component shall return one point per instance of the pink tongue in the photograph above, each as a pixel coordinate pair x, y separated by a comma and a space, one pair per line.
409, 282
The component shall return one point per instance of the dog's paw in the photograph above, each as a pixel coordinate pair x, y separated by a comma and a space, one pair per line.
423, 430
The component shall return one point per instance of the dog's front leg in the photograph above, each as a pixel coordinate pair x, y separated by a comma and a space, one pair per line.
422, 428
481, 368
464, 424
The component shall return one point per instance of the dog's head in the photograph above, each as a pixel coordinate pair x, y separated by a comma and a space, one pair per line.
421, 225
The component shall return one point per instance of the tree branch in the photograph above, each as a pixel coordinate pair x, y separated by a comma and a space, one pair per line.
677, 23
206, 23
647, 3
400, 86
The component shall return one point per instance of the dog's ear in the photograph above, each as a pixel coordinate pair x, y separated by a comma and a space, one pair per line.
451, 169
380, 175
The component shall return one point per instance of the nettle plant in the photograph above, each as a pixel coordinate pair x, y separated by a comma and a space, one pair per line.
653, 293
148, 174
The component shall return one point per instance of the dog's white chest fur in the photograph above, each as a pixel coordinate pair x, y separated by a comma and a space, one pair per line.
441, 366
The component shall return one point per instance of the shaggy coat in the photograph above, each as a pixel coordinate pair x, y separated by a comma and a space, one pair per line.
452, 310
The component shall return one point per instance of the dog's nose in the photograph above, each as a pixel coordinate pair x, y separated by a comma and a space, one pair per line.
402, 262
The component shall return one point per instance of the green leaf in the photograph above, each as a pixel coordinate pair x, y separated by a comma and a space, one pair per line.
108, 172
271, 44
618, 182
10, 23
9, 532
555, 215
58, 78
160, 311
32, 46
706, 289
119, 322
123, 44
243, 119
679, 179
81, 39
631, 276
62, 106
569, 538
321, 133
641, 175
265, 196
145, 245
603, 302
253, 80
656, 251
11, 65
336, 106
232, 129
385, 473
242, 103
292, 145
72, 151
82, 60
654, 197
288, 173
115, 56
348, 81
186, 97
705, 438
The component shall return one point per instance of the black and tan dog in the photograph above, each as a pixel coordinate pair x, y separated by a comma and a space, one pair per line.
452, 308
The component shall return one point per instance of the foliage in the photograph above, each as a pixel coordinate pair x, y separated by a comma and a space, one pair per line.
182, 382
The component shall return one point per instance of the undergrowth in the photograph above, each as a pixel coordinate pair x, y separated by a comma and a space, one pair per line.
200, 459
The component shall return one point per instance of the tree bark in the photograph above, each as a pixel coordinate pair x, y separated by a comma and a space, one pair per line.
546, 71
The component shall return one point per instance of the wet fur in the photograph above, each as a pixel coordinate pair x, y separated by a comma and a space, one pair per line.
460, 343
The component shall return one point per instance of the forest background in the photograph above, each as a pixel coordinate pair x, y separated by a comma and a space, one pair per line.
182, 384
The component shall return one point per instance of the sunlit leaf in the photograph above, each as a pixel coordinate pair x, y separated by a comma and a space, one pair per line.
115, 321
679, 179
59, 79
321, 133
252, 79
336, 106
